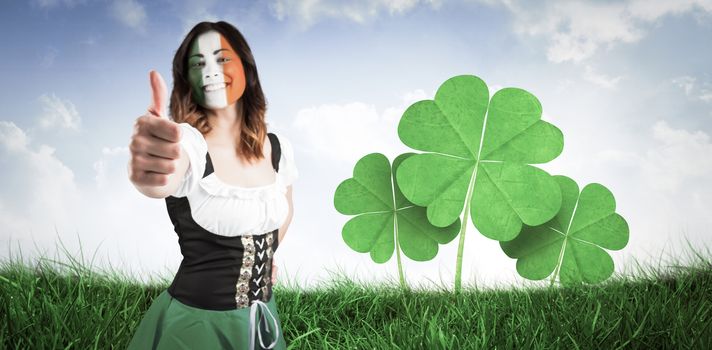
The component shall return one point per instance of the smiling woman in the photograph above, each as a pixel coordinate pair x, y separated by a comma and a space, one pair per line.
221, 297
213, 54
215, 71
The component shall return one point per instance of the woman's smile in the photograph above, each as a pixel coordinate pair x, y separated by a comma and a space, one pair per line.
215, 87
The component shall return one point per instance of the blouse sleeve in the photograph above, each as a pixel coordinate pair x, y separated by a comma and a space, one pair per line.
193, 142
287, 167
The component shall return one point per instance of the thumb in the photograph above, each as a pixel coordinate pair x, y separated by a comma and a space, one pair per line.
158, 94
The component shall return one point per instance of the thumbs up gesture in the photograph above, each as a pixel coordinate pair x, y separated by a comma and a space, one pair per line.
155, 142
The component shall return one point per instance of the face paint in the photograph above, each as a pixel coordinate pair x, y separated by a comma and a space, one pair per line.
215, 71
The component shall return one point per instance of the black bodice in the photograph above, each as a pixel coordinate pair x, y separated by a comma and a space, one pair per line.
221, 272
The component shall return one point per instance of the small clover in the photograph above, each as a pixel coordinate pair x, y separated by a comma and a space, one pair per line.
384, 215
571, 245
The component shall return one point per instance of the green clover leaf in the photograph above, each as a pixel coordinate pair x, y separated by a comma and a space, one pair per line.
572, 242
480, 152
380, 206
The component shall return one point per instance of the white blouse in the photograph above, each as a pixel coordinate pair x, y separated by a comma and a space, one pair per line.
229, 210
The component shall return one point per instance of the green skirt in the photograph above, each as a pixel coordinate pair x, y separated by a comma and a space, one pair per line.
170, 324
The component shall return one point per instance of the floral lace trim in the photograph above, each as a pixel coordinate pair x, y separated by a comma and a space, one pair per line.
254, 258
243, 282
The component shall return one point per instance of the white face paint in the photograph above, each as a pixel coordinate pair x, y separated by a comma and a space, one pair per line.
215, 71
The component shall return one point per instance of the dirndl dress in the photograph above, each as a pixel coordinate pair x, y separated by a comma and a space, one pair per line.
221, 297
172, 324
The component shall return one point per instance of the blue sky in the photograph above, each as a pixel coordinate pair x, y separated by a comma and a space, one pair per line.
629, 84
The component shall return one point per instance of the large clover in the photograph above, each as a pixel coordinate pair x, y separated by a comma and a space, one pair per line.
384, 215
572, 243
480, 151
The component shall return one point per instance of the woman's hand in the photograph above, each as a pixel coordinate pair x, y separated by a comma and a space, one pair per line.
154, 147
274, 272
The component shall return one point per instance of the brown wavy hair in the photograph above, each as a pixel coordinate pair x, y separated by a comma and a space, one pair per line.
253, 128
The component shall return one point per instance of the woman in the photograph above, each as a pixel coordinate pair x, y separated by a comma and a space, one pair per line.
227, 187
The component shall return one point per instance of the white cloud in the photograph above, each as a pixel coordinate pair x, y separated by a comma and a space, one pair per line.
130, 13
651, 10
601, 80
308, 12
58, 113
45, 186
192, 12
706, 95
12, 137
41, 203
347, 132
690, 86
686, 83
576, 30
680, 157
674, 161
101, 166
49, 4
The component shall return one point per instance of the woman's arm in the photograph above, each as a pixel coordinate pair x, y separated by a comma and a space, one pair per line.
157, 163
283, 229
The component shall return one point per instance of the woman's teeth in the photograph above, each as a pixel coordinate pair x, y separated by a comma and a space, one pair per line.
213, 87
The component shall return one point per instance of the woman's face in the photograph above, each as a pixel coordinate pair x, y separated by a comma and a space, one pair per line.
215, 71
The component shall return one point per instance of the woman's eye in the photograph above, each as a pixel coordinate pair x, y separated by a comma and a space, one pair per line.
223, 59
197, 64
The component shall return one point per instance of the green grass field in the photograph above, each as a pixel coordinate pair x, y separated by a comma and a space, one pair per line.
53, 305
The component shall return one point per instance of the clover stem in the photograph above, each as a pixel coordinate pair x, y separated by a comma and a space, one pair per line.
398, 254
563, 245
558, 264
461, 244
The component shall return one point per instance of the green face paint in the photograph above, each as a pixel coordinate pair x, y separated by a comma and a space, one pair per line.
195, 64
